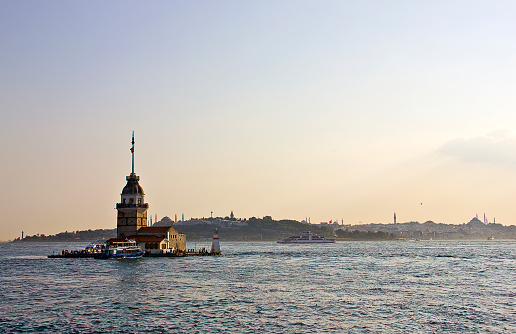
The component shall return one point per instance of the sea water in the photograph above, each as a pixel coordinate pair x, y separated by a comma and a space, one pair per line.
253, 287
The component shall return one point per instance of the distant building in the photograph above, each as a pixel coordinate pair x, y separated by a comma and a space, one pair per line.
165, 221
215, 222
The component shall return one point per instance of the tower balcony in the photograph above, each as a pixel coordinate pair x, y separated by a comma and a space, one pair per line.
133, 205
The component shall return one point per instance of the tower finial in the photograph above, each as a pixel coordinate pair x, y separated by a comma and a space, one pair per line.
132, 152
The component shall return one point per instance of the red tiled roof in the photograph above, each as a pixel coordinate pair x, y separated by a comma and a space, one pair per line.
117, 240
155, 229
147, 238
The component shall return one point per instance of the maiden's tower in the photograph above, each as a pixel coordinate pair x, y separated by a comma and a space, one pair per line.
132, 209
132, 221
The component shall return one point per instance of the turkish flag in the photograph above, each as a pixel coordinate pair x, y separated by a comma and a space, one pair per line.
132, 149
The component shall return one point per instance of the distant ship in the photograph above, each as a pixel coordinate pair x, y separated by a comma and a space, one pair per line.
306, 238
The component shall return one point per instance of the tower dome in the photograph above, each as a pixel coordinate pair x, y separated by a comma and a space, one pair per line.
132, 187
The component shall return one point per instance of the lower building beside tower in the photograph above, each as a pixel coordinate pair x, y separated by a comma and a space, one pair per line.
157, 240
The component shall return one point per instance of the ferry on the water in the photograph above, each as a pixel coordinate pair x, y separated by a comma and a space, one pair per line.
121, 250
306, 238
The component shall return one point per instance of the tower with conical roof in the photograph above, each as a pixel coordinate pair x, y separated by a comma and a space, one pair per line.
132, 209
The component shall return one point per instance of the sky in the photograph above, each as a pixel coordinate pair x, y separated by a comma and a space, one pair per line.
328, 110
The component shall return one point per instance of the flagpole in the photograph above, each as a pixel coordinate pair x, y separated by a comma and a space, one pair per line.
132, 152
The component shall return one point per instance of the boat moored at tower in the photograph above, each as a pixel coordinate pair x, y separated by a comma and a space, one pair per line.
121, 249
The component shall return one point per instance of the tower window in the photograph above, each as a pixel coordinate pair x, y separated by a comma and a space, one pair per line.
131, 200
139, 201
123, 201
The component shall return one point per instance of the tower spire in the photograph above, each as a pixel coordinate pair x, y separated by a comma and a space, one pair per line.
132, 152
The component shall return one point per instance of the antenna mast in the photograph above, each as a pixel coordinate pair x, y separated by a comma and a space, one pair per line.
132, 152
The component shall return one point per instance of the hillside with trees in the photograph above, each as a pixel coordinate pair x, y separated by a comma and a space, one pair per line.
77, 236
256, 229
229, 229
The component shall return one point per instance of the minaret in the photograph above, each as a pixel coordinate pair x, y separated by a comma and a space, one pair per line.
394, 218
132, 209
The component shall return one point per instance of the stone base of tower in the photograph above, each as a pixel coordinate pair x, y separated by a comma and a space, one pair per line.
130, 220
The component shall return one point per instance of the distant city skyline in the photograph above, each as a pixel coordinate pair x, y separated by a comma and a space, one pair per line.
291, 109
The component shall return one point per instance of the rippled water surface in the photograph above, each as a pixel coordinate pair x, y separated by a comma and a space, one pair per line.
346, 287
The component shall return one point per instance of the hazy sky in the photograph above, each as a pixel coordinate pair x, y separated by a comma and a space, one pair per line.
331, 110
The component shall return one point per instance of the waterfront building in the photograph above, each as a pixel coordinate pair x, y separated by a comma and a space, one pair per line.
160, 239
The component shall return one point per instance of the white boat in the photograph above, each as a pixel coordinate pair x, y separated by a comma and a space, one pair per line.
306, 238
121, 250
97, 246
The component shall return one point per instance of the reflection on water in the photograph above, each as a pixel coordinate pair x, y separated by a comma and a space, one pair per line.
357, 287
